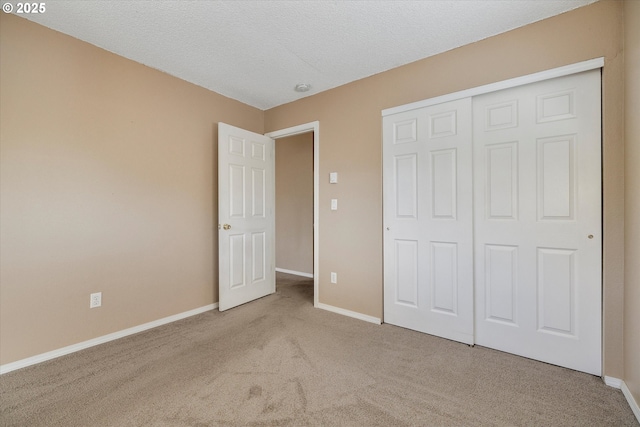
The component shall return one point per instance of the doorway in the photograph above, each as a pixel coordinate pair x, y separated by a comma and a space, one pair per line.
294, 204
313, 129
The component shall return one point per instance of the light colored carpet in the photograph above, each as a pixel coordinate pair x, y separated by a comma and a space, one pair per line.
280, 362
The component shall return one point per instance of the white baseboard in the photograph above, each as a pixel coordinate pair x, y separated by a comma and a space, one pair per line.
619, 384
8, 367
297, 273
349, 313
632, 402
613, 382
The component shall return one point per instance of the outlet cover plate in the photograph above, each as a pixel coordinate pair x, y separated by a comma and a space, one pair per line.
95, 300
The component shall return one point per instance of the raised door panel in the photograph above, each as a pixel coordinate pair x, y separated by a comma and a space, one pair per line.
405, 178
443, 165
406, 260
501, 181
237, 188
237, 260
259, 256
556, 290
444, 277
501, 283
556, 178
259, 192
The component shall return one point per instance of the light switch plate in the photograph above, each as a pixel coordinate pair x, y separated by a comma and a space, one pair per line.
333, 177
334, 204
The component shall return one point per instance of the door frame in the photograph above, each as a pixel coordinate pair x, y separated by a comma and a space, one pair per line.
296, 130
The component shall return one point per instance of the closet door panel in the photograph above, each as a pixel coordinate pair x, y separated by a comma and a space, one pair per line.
537, 228
428, 259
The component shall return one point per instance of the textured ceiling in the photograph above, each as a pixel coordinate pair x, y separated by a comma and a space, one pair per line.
257, 51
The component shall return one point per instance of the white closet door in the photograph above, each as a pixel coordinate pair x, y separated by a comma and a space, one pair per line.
428, 259
538, 234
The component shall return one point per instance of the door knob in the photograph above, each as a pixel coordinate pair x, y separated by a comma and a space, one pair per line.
590, 236
226, 226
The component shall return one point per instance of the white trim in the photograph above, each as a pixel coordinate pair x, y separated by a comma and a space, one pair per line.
621, 385
613, 382
632, 402
505, 84
350, 313
295, 130
8, 367
296, 273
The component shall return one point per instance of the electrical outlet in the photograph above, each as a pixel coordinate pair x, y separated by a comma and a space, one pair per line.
334, 277
95, 300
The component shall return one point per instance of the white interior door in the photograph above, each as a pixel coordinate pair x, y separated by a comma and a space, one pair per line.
246, 216
428, 258
538, 232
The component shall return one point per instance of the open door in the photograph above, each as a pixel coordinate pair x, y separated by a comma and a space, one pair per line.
246, 216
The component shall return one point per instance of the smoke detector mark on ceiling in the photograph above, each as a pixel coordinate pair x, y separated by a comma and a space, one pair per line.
302, 87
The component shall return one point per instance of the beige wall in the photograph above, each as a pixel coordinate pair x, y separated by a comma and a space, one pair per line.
350, 143
294, 203
107, 184
632, 197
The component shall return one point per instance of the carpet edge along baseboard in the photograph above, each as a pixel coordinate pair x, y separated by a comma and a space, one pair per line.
43, 357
